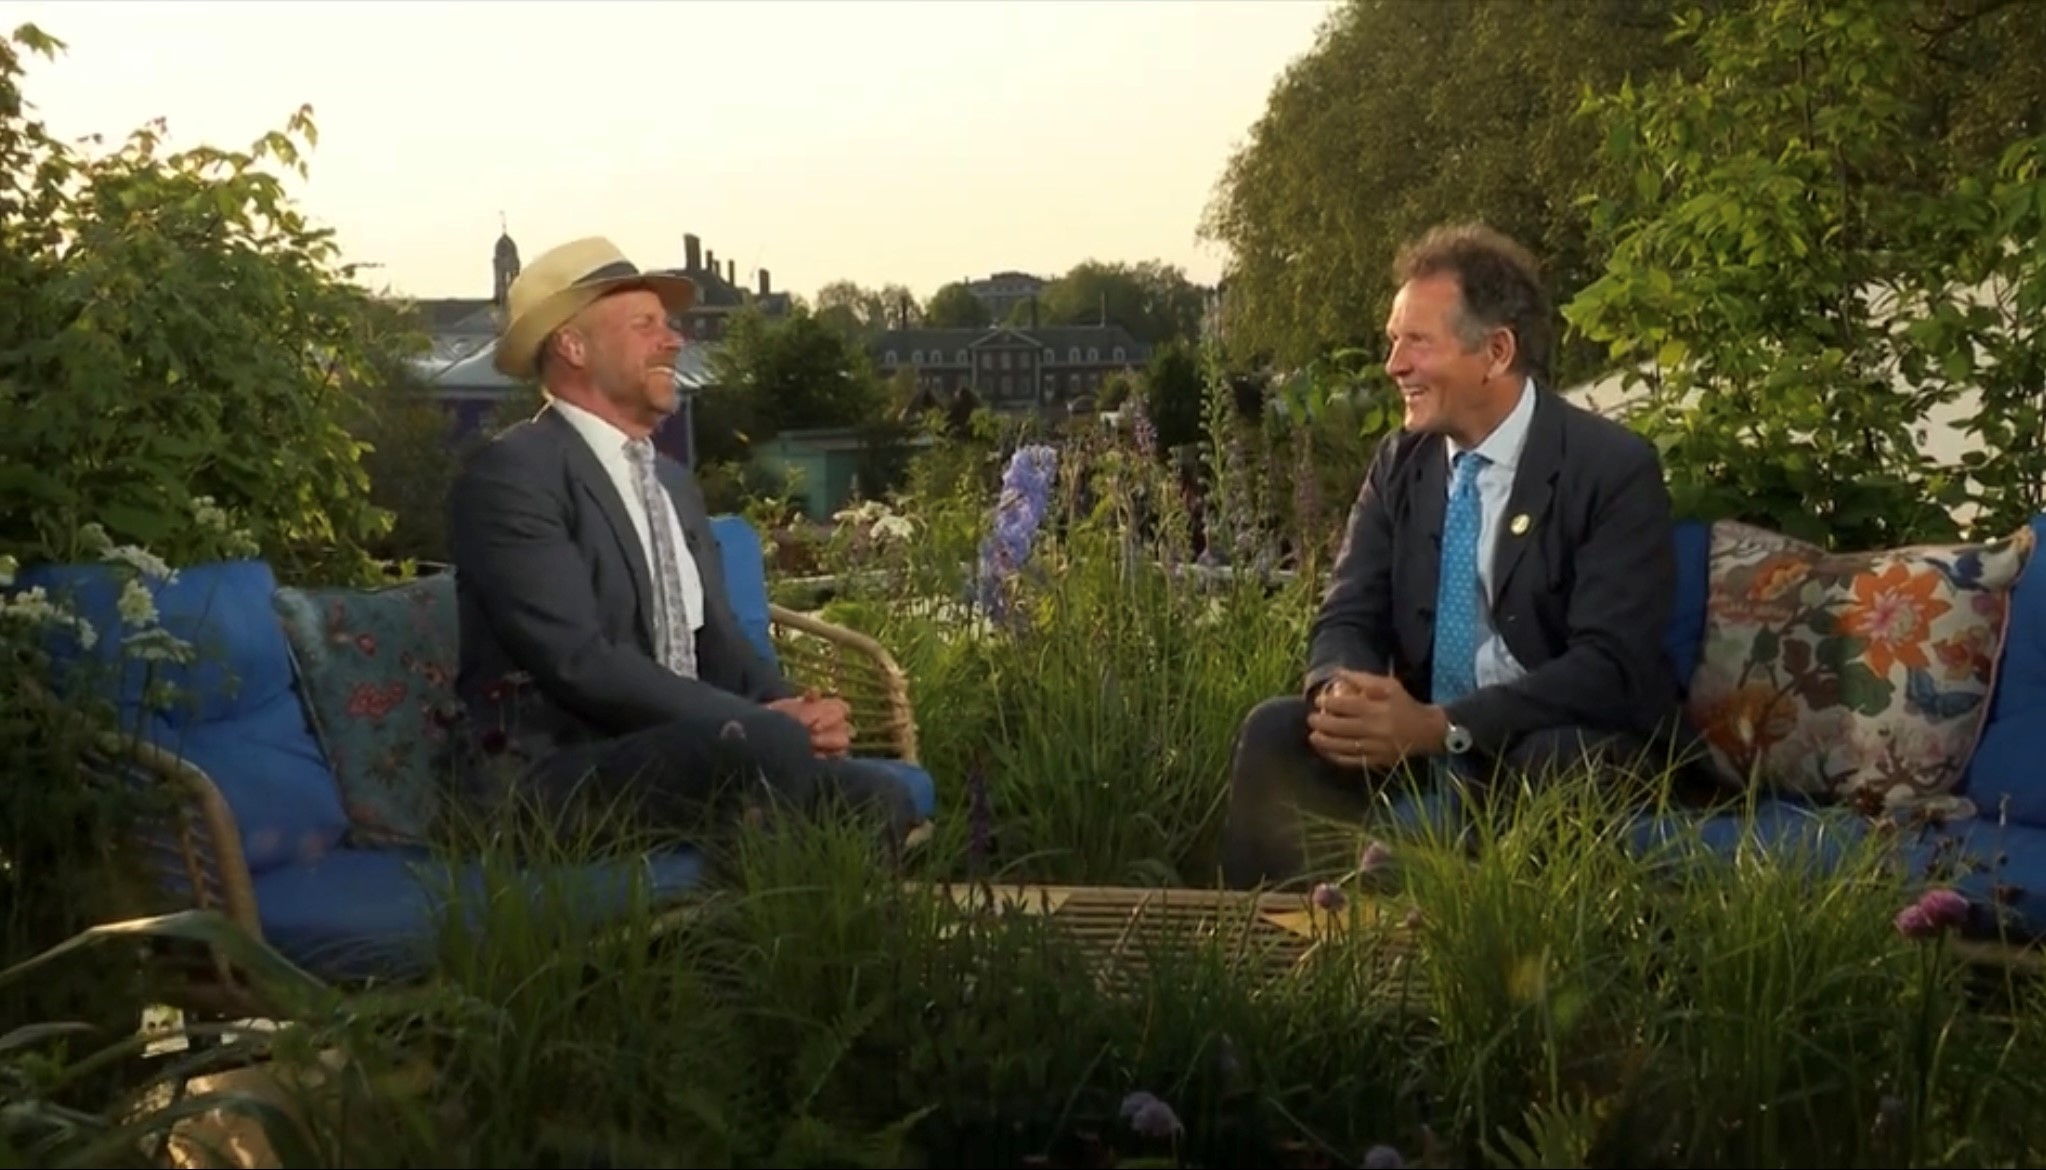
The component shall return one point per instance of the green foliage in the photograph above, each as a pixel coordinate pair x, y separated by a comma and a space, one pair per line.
797, 372
1372, 137
1785, 272
1153, 300
410, 456
954, 306
173, 329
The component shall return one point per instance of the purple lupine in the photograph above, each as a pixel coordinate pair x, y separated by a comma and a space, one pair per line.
1142, 431
1026, 495
1306, 505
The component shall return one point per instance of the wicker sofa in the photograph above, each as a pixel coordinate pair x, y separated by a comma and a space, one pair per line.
305, 758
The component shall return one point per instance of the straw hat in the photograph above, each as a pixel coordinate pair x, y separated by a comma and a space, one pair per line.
563, 281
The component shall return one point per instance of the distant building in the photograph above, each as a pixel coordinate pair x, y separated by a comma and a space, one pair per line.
1010, 368
1004, 292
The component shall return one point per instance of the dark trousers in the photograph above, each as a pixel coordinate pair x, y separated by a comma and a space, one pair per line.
1279, 787
695, 777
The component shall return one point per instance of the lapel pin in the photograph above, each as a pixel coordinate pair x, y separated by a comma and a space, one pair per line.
1520, 525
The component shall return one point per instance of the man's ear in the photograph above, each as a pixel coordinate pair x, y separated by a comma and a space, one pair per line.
571, 348
1501, 349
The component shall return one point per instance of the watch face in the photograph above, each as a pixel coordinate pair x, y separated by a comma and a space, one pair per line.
1458, 741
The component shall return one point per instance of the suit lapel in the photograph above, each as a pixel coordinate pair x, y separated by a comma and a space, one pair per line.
1534, 483
1427, 503
596, 483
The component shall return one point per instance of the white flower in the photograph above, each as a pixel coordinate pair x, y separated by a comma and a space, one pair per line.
894, 528
141, 560
136, 607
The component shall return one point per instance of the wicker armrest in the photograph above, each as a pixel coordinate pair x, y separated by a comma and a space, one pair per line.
859, 670
192, 848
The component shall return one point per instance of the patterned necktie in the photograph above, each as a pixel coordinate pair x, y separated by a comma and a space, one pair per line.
1456, 599
673, 638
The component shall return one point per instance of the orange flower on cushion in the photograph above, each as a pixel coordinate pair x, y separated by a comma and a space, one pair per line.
1892, 613
1749, 721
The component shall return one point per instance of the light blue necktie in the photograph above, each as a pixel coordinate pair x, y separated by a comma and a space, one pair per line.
1457, 595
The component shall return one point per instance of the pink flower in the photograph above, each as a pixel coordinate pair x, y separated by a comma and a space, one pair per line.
1946, 908
1934, 913
1329, 897
1376, 856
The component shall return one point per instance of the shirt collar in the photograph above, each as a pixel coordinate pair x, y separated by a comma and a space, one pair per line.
606, 440
1502, 447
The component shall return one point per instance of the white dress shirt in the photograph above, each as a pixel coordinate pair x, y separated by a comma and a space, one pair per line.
1501, 450
607, 443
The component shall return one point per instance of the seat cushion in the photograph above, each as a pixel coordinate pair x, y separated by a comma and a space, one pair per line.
376, 668
1854, 677
233, 711
745, 579
2000, 868
380, 913
923, 791
2007, 774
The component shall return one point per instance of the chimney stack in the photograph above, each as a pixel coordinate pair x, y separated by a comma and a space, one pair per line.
766, 284
692, 253
732, 273
710, 261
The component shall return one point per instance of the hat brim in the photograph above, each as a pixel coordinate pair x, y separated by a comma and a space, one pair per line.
518, 349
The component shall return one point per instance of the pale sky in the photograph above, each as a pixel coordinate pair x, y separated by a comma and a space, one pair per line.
875, 141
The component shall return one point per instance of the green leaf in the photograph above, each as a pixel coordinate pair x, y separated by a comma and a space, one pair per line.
265, 967
1863, 691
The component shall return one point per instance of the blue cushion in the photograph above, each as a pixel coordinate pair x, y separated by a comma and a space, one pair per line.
2007, 774
1685, 641
236, 717
745, 578
1994, 865
1787, 831
379, 913
923, 791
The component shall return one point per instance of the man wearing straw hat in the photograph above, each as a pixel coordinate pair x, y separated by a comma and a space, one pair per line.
603, 669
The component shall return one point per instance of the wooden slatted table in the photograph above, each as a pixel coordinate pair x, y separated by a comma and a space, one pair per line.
1122, 930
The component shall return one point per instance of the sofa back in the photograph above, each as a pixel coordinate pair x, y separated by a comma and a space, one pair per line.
236, 713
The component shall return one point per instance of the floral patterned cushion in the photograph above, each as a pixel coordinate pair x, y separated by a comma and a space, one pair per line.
1857, 677
376, 670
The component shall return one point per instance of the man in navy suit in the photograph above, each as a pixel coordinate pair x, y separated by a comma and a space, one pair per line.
1501, 597
602, 665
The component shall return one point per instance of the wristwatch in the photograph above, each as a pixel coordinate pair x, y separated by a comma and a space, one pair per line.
1456, 741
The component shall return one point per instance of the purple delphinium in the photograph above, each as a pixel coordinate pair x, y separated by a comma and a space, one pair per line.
1026, 495
1147, 1115
1933, 914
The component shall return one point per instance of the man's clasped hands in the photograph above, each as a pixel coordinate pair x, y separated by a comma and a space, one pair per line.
1363, 720
827, 718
